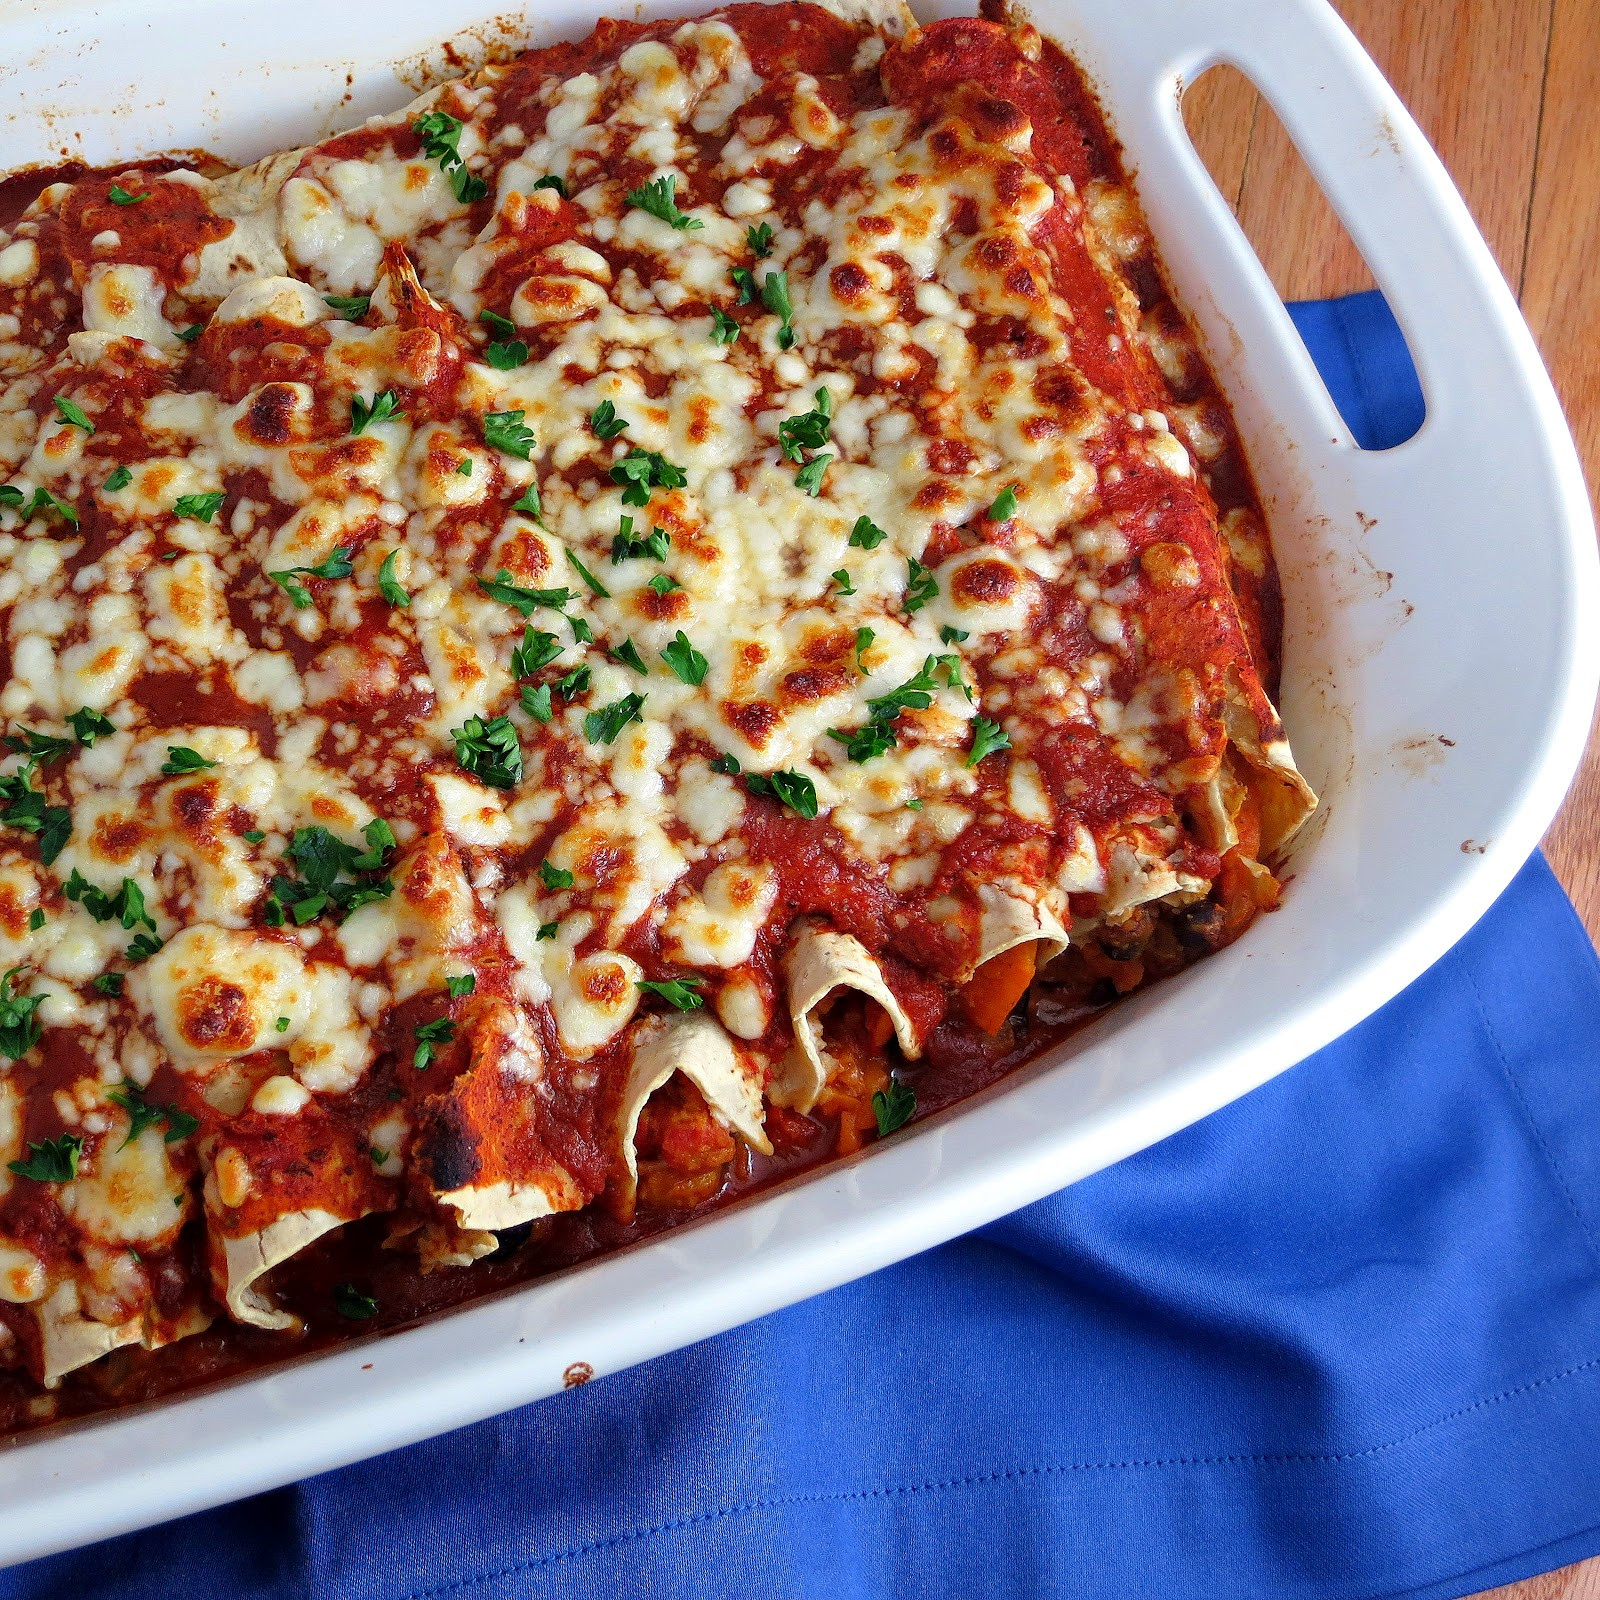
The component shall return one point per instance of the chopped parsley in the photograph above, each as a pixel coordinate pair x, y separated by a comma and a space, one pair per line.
640, 471
335, 876
282, 1024
464, 467
551, 181
253, 836
350, 1302
603, 726
351, 306
596, 588
1005, 505
865, 639
192, 332
40, 747
537, 702
538, 649
657, 198
554, 877
50, 1160
120, 196
679, 993
489, 750
389, 586
845, 582
25, 808
120, 479
686, 662
810, 476
109, 983
504, 326
527, 601
808, 431
624, 546
142, 947
921, 585
43, 504
440, 1031
72, 414
530, 504
505, 430
338, 565
954, 635
461, 985
759, 238
582, 633
36, 919
744, 280
724, 330
19, 1028
575, 683
628, 654
142, 1114
662, 583
867, 535
895, 1108
604, 423
793, 789
987, 738
383, 407
202, 507
181, 759
869, 740
504, 356
775, 297
726, 764
877, 735
440, 137
547, 930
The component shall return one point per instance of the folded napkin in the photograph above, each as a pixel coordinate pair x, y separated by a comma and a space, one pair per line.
1341, 1339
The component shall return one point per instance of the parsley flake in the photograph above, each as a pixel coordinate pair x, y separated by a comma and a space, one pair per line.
120, 479
679, 993
109, 983
35, 919
810, 476
464, 467
987, 738
596, 588
505, 430
726, 764
142, 1114
604, 423
253, 836
895, 1108
353, 307
841, 577
143, 946
489, 750
504, 326
440, 137
527, 601
951, 635
551, 181
624, 546
809, 430
530, 504
383, 407
390, 586
282, 1024
686, 662
461, 985
547, 930
554, 877
865, 639
793, 789
72, 414
870, 740
338, 565
440, 1031
181, 759
538, 649
1005, 505
19, 1028
120, 196
759, 238
575, 683
775, 297
628, 654
43, 504
640, 471
537, 702
657, 198
724, 330
603, 726
867, 535
24, 807
192, 332
50, 1160
350, 1302
336, 876
921, 585
744, 280
663, 584
503, 357
202, 507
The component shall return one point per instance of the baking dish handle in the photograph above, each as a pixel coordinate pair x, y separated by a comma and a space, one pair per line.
1388, 186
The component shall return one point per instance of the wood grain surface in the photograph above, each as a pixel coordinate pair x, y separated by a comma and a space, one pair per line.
1508, 93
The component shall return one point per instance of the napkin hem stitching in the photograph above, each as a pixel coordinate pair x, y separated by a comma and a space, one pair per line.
938, 1485
1530, 1120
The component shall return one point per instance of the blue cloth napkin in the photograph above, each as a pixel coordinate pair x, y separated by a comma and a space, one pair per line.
1340, 1340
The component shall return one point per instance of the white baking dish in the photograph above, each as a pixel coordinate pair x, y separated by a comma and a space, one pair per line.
1444, 588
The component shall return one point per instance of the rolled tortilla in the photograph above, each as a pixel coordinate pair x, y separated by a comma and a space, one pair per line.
696, 1046
69, 1340
1008, 918
256, 1254
820, 961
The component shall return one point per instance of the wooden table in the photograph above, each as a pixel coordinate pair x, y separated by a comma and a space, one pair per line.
1508, 93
